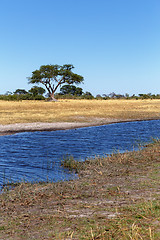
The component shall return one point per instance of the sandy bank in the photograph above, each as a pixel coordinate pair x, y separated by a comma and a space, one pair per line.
41, 126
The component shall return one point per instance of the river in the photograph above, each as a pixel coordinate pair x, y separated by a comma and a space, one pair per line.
36, 156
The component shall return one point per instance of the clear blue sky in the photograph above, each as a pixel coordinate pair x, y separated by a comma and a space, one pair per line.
114, 44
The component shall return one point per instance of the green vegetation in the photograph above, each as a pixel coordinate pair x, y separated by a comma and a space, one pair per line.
72, 164
70, 92
35, 93
116, 197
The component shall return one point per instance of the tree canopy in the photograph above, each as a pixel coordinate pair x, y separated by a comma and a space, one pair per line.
53, 76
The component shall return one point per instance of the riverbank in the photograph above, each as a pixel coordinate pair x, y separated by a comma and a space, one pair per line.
39, 126
115, 197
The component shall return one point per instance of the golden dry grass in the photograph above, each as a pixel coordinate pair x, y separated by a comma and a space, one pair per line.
77, 110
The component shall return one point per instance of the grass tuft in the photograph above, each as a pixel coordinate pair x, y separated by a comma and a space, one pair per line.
70, 163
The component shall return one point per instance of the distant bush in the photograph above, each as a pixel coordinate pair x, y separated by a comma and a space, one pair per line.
99, 97
66, 96
36, 93
71, 90
39, 97
17, 97
87, 95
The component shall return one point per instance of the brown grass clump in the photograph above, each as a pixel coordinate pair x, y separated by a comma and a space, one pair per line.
77, 110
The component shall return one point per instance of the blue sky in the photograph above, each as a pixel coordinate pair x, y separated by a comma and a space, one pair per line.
113, 44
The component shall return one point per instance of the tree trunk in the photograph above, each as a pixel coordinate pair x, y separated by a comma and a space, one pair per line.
52, 98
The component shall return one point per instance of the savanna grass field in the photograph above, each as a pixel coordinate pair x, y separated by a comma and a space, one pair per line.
77, 110
116, 196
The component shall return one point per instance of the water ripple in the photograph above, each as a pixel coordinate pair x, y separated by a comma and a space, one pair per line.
36, 155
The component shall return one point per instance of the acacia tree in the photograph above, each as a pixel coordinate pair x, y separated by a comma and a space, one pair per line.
53, 76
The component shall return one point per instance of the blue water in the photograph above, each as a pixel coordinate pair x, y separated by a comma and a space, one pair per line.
36, 156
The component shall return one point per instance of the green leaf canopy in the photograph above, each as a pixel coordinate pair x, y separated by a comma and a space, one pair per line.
53, 76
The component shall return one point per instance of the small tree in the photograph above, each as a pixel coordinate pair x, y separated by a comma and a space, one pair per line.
70, 89
98, 96
112, 95
87, 95
53, 76
20, 91
37, 91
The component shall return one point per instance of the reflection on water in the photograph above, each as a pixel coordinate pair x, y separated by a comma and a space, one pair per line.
36, 156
